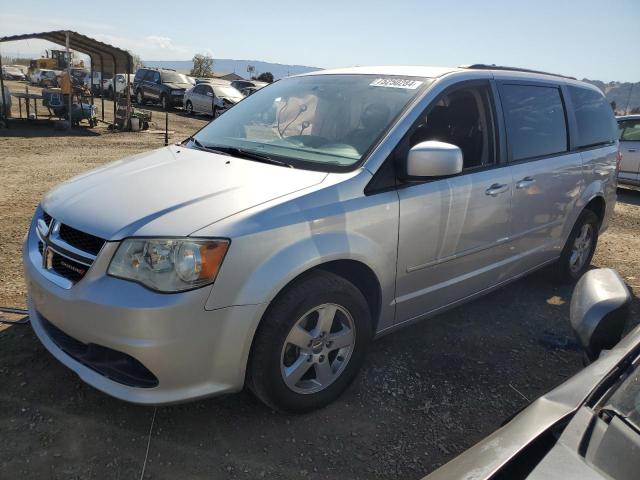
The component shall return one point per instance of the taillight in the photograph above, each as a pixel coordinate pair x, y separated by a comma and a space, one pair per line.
618, 160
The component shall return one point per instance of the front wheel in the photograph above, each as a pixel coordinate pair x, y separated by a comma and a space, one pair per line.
189, 107
139, 97
309, 347
581, 245
164, 103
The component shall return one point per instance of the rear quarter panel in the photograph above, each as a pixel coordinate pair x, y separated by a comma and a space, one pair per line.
599, 172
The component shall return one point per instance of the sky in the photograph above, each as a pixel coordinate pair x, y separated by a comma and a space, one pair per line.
585, 39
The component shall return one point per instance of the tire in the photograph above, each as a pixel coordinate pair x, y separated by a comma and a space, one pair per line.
189, 107
163, 102
140, 97
579, 249
214, 112
345, 309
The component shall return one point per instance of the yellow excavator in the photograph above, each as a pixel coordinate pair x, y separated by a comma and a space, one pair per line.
52, 60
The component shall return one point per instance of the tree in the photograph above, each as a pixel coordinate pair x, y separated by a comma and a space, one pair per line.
137, 62
265, 77
202, 66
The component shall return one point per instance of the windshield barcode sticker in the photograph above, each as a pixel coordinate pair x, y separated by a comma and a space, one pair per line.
396, 83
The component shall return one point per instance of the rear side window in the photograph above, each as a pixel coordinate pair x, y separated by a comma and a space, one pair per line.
629, 130
536, 122
594, 116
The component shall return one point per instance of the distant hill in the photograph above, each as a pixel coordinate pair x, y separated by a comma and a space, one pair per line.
626, 95
228, 65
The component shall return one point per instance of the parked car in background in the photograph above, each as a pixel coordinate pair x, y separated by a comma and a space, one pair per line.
211, 98
161, 86
121, 81
12, 73
213, 81
269, 248
48, 78
588, 427
629, 171
23, 68
249, 91
240, 84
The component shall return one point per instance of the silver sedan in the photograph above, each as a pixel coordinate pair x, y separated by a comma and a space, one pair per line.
210, 99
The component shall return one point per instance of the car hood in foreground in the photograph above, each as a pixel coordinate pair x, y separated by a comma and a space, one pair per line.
173, 191
488, 456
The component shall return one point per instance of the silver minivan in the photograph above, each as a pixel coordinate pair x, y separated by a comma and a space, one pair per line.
323, 211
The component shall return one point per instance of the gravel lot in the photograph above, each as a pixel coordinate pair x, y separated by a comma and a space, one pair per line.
426, 393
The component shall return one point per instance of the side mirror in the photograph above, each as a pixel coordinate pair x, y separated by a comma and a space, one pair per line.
599, 310
434, 159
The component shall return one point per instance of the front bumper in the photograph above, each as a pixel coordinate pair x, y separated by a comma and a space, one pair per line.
177, 100
192, 352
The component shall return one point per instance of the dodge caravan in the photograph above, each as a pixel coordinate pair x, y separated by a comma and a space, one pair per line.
326, 209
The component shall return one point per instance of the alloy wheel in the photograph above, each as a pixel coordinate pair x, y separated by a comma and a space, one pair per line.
581, 248
318, 348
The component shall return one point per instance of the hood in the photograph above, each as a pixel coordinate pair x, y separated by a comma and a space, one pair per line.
178, 86
173, 191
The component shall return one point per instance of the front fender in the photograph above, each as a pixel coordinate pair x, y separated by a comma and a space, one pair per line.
285, 264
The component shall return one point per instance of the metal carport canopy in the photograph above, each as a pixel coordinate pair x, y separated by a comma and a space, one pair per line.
104, 57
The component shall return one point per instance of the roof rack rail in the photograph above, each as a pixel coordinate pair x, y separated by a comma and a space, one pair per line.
482, 66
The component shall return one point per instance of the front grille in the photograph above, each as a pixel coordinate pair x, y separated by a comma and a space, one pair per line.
62, 259
67, 267
46, 217
115, 365
82, 241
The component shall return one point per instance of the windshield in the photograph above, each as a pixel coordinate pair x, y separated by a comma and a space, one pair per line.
317, 120
225, 91
173, 77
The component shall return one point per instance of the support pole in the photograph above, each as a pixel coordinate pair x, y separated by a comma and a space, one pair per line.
91, 81
69, 74
166, 128
26, 100
100, 84
115, 96
4, 100
126, 91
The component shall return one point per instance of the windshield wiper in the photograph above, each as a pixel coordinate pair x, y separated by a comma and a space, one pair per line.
248, 154
238, 152
200, 146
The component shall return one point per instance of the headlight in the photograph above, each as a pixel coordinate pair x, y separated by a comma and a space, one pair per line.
177, 92
169, 264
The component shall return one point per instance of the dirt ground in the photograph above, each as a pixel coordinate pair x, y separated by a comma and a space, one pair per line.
426, 393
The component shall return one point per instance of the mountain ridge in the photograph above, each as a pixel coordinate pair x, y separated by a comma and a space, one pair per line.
626, 95
229, 65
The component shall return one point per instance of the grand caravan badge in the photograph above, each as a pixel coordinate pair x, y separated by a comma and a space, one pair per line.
396, 83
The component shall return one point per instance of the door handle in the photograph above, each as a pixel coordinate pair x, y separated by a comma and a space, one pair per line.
496, 189
525, 182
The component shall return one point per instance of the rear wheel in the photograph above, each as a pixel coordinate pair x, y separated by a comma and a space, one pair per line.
309, 348
581, 245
